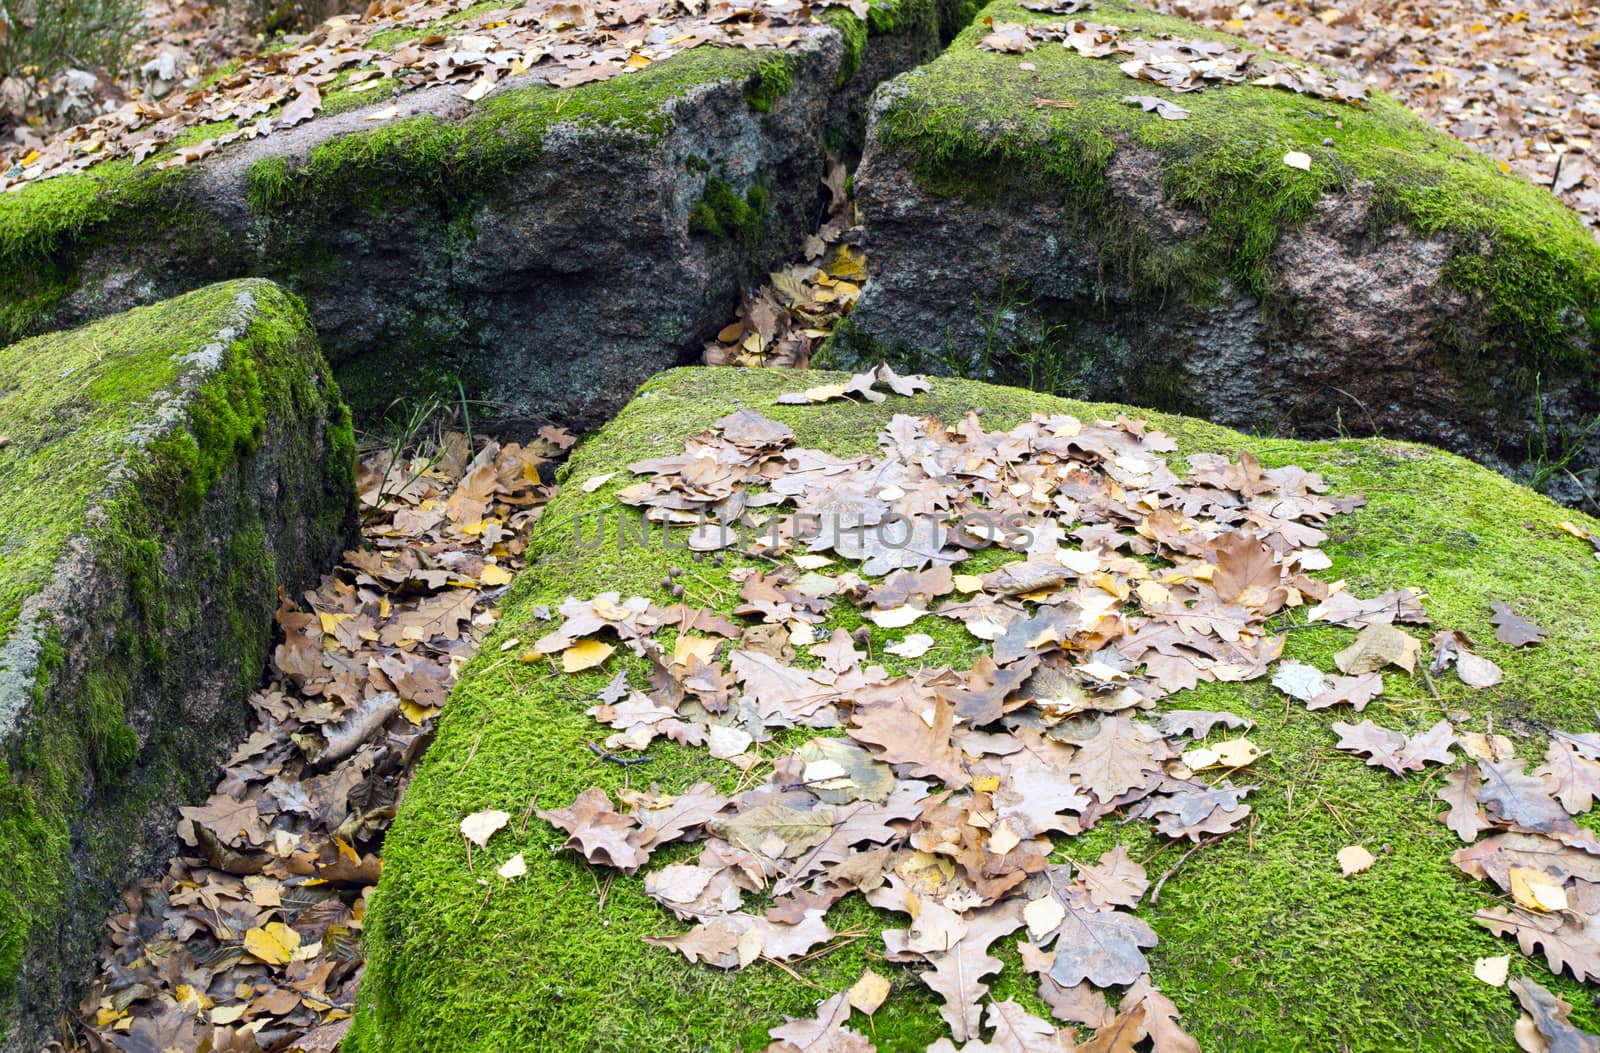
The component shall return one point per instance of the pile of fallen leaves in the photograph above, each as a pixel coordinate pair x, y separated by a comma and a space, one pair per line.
1174, 63
935, 794
781, 322
557, 42
1518, 82
252, 939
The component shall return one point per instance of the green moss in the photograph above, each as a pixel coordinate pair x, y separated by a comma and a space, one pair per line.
48, 228
773, 79
116, 439
1264, 945
723, 213
428, 156
854, 31
968, 125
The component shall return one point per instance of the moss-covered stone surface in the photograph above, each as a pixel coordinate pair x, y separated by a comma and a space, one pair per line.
1092, 248
164, 470
481, 242
1263, 944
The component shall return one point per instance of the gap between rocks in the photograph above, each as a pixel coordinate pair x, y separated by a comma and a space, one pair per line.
251, 939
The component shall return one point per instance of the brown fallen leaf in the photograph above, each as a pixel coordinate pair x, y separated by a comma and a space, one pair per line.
1513, 630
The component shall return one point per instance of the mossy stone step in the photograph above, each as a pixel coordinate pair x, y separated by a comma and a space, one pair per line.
1405, 285
1264, 946
164, 472
541, 251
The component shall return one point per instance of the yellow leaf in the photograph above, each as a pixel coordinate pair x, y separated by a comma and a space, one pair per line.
1043, 915
331, 622
637, 61
687, 647
190, 999
417, 714
968, 582
851, 266
611, 612
1353, 859
1236, 753
1575, 530
30, 157
273, 943
1536, 890
1492, 971
227, 1014
869, 992
585, 654
494, 574
986, 783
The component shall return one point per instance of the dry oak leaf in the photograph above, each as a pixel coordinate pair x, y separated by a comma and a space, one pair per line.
1116, 881
1512, 629
1018, 1031
1118, 757
957, 975
1569, 940
1548, 1011
1392, 750
1354, 691
1078, 1004
1513, 796
1376, 646
598, 831
1460, 791
1122, 1035
1011, 37
1103, 947
824, 1033
913, 731
1161, 1019
1571, 778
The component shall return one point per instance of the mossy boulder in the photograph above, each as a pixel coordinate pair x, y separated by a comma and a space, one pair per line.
1263, 944
166, 471
542, 251
1404, 285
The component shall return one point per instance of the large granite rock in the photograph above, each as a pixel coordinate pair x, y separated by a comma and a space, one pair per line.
165, 472
550, 248
1026, 223
1264, 944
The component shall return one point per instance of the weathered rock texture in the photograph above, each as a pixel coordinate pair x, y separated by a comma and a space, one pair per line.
167, 470
1402, 286
550, 248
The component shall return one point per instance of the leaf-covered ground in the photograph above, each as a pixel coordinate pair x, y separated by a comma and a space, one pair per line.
251, 941
1282, 934
392, 47
1517, 81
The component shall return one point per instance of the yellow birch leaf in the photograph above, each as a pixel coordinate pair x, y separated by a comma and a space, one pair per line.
273, 943
585, 654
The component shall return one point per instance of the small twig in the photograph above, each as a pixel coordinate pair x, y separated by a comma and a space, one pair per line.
797, 976
473, 752
613, 758
1155, 893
